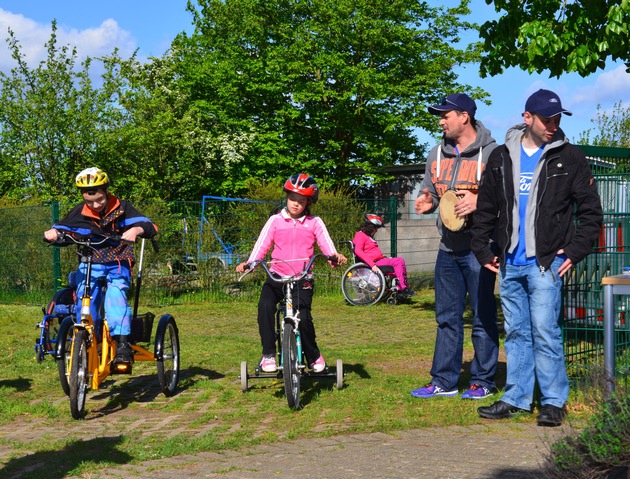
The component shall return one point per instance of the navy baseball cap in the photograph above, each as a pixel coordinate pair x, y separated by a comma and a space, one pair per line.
545, 103
455, 101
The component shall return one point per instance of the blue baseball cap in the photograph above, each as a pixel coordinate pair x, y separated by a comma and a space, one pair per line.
545, 103
455, 101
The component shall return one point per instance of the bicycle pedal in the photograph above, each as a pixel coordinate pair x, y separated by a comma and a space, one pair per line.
121, 368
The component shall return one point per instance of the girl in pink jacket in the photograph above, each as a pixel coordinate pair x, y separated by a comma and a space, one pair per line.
293, 233
367, 250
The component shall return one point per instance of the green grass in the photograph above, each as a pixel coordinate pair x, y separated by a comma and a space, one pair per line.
386, 352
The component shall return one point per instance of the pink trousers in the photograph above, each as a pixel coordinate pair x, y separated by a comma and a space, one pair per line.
400, 269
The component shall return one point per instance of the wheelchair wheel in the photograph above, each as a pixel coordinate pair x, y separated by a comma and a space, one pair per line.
290, 367
64, 345
244, 376
361, 286
167, 354
79, 374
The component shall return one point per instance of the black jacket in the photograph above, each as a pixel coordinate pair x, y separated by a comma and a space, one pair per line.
564, 189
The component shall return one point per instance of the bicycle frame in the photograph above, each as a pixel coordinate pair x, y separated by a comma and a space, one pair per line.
289, 314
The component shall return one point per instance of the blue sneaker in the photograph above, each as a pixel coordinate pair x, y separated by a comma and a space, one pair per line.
431, 391
477, 391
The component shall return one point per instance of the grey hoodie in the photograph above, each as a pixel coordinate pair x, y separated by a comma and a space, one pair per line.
442, 166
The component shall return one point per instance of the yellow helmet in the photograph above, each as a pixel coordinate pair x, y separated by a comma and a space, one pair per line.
91, 178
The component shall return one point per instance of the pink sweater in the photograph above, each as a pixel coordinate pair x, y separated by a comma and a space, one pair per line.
293, 241
367, 248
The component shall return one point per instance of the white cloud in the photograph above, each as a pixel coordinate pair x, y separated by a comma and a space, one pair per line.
32, 37
610, 87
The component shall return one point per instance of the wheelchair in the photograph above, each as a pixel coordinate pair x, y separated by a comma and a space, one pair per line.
363, 287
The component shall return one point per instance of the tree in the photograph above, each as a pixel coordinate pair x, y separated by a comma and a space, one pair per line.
49, 122
331, 87
556, 35
612, 128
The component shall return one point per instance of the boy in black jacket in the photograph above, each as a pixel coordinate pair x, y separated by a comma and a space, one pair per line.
103, 214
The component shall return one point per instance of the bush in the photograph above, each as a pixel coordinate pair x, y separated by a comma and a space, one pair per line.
600, 447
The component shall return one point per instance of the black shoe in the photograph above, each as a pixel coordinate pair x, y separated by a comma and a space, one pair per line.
407, 293
124, 353
551, 416
499, 410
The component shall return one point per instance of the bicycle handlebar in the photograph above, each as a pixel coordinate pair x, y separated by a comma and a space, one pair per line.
283, 280
66, 239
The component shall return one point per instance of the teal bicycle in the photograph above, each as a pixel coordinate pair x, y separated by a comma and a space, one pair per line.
291, 360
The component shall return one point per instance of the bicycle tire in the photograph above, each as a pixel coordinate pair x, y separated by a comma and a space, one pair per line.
290, 367
62, 354
361, 286
79, 374
167, 354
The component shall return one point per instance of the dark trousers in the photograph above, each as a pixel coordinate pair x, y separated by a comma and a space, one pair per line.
270, 296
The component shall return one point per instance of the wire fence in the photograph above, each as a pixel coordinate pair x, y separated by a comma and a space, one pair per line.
200, 244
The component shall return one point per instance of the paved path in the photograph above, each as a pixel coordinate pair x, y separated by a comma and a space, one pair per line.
494, 450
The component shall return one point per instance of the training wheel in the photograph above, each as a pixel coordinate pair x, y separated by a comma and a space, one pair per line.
244, 376
339, 374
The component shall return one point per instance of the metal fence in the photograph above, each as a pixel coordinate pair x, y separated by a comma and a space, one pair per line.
583, 292
200, 244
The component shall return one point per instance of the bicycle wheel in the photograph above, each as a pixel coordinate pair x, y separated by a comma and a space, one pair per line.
64, 344
290, 368
79, 374
167, 354
361, 286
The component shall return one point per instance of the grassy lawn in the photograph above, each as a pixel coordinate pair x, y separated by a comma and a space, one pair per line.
386, 352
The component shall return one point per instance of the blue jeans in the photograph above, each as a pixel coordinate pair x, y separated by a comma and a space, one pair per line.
531, 303
458, 274
117, 309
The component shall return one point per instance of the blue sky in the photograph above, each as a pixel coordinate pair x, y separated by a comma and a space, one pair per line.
96, 27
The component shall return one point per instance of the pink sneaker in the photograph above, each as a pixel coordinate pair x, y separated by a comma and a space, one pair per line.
319, 365
268, 364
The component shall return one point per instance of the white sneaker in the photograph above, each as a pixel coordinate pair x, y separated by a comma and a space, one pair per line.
319, 365
268, 364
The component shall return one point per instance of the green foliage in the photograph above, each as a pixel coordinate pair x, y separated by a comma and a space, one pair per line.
555, 36
337, 85
612, 128
603, 444
50, 118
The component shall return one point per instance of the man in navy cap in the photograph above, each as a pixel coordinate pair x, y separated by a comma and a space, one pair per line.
455, 166
536, 188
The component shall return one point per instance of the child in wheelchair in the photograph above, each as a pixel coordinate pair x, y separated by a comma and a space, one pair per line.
366, 249
293, 232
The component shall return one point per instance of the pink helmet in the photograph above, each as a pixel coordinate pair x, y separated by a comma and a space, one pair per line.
376, 220
304, 185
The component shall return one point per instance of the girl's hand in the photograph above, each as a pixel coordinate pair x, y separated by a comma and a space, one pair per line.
375, 269
341, 259
240, 269
132, 234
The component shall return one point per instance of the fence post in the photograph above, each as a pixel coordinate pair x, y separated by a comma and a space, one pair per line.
393, 230
56, 252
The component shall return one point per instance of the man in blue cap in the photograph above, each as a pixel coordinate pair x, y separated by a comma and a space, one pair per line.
454, 167
536, 189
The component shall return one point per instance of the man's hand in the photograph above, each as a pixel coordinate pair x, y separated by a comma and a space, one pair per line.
493, 265
467, 202
424, 202
565, 266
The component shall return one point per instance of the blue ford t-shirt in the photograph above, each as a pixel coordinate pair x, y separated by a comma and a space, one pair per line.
528, 164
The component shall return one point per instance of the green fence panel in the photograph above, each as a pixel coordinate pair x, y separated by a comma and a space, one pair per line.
583, 292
